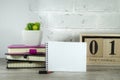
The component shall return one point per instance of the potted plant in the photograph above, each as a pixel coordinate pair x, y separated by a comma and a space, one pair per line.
32, 34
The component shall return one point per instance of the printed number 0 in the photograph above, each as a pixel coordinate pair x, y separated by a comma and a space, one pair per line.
93, 47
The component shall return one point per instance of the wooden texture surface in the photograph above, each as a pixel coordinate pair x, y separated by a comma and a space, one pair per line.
102, 49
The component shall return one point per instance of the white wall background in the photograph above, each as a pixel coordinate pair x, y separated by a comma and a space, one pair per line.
63, 20
14, 15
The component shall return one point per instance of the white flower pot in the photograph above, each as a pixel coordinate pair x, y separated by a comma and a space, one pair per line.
31, 38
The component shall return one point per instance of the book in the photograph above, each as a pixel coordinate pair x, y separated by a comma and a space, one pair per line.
20, 48
66, 56
24, 64
25, 57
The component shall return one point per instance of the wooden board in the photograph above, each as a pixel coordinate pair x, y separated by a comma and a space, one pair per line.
102, 49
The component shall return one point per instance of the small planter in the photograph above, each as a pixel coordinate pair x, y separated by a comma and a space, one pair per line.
31, 37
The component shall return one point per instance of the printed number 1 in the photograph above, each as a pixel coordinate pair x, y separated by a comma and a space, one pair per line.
112, 48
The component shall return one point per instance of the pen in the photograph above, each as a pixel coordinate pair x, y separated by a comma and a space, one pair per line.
45, 72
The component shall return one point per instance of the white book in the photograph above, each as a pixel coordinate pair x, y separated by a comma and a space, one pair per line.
66, 56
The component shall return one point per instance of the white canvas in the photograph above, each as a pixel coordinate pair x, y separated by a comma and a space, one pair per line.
66, 56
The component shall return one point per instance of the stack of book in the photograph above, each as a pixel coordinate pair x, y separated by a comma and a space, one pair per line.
21, 56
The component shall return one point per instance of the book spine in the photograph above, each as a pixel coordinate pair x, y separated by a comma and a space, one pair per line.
22, 64
23, 67
25, 54
46, 56
25, 50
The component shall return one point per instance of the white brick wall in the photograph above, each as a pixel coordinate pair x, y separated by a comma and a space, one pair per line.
96, 5
109, 21
64, 20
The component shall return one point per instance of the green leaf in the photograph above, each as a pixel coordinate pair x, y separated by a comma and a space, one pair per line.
30, 26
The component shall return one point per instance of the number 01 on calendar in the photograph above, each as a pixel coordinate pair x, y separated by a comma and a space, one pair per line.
102, 49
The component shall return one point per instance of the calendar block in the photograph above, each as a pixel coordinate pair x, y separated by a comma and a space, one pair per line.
94, 48
102, 49
111, 48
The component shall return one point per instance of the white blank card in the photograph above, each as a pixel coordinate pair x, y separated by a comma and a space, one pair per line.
66, 56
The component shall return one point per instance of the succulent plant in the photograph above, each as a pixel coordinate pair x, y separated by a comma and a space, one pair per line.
33, 26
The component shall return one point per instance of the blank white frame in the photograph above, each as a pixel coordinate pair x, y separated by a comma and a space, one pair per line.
66, 56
